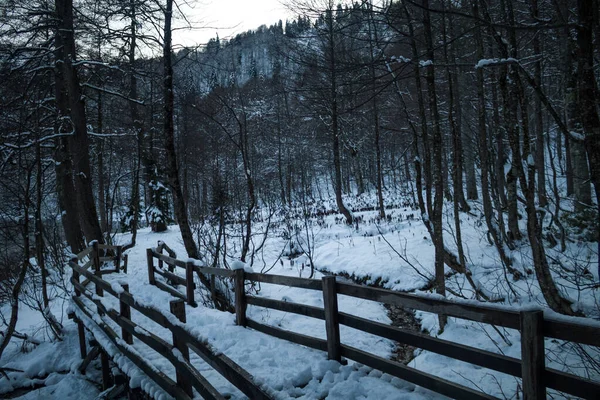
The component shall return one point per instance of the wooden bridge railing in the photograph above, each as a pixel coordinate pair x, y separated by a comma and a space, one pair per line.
177, 352
187, 281
92, 256
532, 324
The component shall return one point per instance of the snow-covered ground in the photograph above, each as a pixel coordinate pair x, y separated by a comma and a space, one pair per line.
395, 253
286, 369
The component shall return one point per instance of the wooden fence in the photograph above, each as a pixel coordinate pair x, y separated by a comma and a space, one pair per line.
94, 256
532, 324
187, 281
177, 352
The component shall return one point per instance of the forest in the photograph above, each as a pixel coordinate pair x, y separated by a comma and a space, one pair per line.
471, 115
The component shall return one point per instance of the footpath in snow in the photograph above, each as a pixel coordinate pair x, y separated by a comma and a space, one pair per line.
286, 369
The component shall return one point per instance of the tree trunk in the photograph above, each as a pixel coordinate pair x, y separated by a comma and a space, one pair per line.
438, 178
335, 131
16, 290
39, 228
577, 166
63, 165
539, 127
101, 186
169, 132
484, 151
588, 92
78, 141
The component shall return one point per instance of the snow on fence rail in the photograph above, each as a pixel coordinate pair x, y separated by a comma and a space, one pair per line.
532, 324
187, 376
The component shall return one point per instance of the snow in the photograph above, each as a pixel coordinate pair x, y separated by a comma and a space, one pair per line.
494, 61
237, 264
116, 286
374, 251
50, 364
400, 59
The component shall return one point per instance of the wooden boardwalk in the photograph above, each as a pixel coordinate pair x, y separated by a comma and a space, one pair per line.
532, 324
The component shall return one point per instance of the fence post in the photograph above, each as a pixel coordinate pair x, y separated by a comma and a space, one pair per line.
240, 298
96, 262
118, 258
159, 249
533, 356
332, 326
125, 312
189, 283
125, 258
149, 256
105, 370
95, 255
80, 327
178, 309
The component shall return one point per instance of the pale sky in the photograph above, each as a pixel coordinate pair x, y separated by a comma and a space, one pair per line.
228, 18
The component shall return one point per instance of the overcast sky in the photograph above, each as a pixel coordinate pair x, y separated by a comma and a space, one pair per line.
228, 17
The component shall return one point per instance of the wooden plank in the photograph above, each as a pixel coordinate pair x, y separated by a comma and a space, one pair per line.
332, 326
240, 298
179, 280
106, 259
533, 356
571, 384
479, 313
417, 377
294, 337
312, 284
84, 253
87, 264
296, 308
225, 273
170, 290
168, 260
108, 271
161, 379
88, 359
483, 358
572, 331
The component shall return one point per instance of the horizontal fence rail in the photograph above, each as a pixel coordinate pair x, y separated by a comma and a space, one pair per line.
176, 352
534, 328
